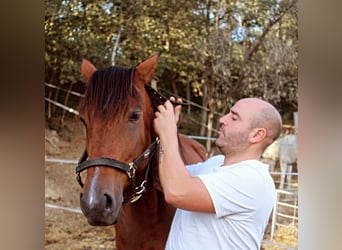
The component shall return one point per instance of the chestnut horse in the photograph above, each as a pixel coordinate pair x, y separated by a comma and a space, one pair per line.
121, 157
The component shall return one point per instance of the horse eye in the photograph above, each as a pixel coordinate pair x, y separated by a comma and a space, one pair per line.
134, 116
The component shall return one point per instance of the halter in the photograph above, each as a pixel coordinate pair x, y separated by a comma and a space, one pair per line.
129, 168
159, 99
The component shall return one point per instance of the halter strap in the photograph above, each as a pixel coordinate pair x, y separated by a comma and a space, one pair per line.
159, 99
129, 168
101, 161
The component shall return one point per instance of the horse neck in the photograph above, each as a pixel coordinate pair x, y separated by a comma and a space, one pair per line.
149, 217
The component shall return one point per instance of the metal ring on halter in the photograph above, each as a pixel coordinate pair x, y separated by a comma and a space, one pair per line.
130, 168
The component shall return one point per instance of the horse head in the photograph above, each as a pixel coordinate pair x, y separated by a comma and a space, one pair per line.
117, 113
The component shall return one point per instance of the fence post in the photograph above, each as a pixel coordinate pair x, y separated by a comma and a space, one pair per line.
274, 214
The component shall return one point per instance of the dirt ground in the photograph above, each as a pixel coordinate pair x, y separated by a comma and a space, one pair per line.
66, 229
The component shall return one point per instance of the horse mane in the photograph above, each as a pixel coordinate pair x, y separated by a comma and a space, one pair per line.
108, 91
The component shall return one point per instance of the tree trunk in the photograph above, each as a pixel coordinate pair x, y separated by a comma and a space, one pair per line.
210, 123
204, 112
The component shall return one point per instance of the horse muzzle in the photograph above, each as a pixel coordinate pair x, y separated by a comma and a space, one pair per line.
101, 200
100, 209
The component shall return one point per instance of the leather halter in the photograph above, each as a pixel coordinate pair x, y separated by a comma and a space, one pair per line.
129, 168
159, 99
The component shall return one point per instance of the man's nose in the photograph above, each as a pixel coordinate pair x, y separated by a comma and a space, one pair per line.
223, 120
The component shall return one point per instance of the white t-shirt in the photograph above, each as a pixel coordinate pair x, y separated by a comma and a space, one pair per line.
243, 196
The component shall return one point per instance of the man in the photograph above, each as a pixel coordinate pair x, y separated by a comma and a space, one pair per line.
224, 202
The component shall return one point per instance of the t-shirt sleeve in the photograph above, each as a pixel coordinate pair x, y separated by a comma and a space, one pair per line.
205, 167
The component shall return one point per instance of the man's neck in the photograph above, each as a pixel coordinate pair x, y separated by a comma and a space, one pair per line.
229, 160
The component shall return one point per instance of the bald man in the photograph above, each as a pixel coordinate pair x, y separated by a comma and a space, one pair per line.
224, 202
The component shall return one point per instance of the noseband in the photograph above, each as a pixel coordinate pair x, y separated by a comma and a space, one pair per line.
129, 168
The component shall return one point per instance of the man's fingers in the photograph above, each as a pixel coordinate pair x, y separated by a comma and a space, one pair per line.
174, 101
168, 105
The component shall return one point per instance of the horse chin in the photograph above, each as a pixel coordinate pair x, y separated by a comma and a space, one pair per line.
98, 219
101, 223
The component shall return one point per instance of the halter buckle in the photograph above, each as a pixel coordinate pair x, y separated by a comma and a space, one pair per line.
141, 189
131, 170
138, 192
134, 198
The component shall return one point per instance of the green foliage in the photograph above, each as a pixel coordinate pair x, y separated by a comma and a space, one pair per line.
219, 50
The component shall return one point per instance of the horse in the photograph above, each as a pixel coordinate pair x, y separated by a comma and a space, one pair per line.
271, 155
284, 151
121, 186
287, 157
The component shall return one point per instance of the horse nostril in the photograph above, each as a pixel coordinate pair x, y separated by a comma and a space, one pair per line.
109, 202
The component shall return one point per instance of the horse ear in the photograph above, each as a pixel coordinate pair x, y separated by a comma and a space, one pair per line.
146, 69
87, 69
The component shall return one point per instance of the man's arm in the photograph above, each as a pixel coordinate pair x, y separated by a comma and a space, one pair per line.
180, 188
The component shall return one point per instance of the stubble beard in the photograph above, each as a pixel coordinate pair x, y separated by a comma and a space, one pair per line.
232, 143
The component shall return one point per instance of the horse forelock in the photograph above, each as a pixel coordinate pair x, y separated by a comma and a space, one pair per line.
109, 92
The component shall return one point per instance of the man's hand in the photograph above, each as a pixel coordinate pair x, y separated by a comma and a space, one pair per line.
167, 116
178, 108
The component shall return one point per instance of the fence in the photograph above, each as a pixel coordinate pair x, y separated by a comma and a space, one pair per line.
285, 210
293, 184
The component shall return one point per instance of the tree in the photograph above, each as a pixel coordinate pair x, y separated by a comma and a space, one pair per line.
243, 41
215, 51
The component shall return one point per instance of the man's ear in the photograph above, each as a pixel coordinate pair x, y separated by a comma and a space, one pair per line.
257, 135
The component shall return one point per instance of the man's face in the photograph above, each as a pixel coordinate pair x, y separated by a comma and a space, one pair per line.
233, 134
